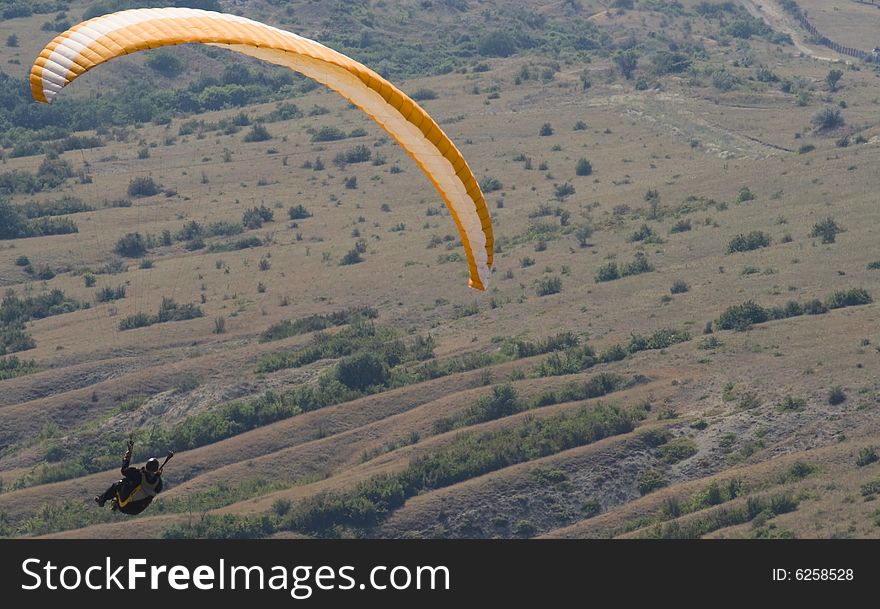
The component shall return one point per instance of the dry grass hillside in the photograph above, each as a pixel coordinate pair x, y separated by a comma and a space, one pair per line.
681, 336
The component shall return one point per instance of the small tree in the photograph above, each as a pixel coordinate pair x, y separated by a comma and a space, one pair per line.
546, 129
626, 62
832, 79
827, 118
583, 234
583, 168
12, 41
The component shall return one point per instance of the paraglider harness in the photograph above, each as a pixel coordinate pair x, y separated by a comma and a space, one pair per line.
135, 492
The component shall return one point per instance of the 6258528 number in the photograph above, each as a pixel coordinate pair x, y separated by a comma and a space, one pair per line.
824, 574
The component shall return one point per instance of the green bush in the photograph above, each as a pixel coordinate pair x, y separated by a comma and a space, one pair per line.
168, 311
638, 265
745, 243
314, 323
848, 298
353, 256
362, 370
836, 396
11, 367
607, 272
298, 212
583, 167
679, 287
165, 63
258, 133
549, 285
827, 118
677, 450
108, 294
827, 229
132, 245
143, 186
741, 317
650, 480
867, 456
328, 133
424, 94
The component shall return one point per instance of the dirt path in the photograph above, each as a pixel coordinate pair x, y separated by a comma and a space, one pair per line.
776, 18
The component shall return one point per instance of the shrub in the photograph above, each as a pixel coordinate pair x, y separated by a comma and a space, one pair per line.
168, 311
328, 134
498, 43
358, 154
607, 272
424, 94
352, 257
867, 456
744, 195
638, 265
108, 294
549, 285
11, 367
490, 184
626, 62
848, 298
679, 287
143, 186
258, 133
165, 63
314, 323
650, 480
583, 167
681, 226
677, 450
255, 216
827, 229
132, 245
583, 234
744, 243
362, 370
797, 471
827, 118
741, 317
644, 233
298, 212
546, 129
563, 191
836, 396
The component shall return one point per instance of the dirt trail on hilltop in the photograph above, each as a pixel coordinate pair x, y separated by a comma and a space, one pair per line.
776, 18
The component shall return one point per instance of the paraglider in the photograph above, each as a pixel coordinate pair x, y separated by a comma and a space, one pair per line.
138, 486
101, 39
